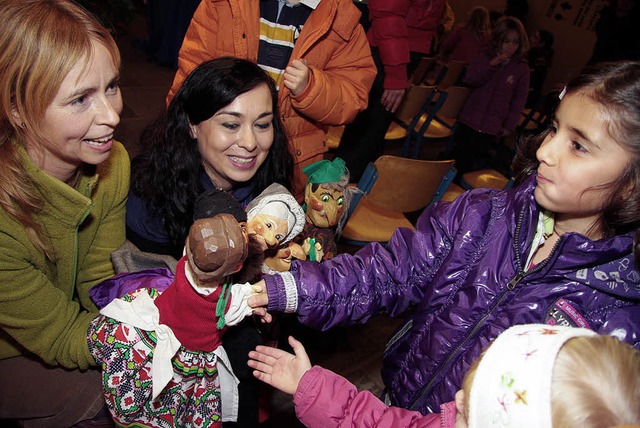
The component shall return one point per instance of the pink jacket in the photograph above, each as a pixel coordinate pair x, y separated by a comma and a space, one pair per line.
325, 399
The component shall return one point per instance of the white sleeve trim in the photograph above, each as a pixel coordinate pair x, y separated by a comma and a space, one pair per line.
291, 292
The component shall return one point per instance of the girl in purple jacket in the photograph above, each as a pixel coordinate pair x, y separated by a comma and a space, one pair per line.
499, 77
557, 248
532, 375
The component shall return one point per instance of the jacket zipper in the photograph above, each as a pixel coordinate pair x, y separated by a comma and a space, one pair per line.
511, 285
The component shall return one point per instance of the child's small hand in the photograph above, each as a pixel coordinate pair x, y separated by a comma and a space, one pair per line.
259, 300
265, 317
296, 76
499, 59
279, 368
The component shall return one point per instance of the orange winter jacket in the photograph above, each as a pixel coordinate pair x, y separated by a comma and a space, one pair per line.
332, 42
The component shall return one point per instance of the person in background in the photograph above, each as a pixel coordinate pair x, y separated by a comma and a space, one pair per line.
539, 56
559, 247
532, 375
469, 38
447, 22
222, 130
63, 190
315, 50
167, 22
401, 32
499, 78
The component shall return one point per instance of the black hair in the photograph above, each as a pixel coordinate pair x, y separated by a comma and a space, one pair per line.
168, 174
213, 202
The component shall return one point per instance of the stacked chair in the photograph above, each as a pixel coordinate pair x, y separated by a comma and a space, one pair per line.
392, 187
430, 107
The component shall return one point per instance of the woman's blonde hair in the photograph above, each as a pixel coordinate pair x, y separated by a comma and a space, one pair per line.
595, 383
40, 41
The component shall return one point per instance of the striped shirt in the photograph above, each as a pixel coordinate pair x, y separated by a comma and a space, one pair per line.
280, 28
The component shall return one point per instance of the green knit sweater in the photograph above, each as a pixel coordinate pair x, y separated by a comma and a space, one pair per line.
45, 307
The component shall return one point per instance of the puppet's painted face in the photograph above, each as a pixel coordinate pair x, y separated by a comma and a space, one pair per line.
280, 259
269, 230
324, 206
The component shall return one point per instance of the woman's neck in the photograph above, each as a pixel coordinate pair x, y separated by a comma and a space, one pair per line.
217, 181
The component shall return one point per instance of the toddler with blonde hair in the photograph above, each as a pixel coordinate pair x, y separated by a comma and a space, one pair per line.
532, 375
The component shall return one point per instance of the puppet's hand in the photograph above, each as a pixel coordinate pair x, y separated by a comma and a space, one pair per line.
317, 254
279, 368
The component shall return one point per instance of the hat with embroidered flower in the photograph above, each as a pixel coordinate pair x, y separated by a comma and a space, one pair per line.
512, 384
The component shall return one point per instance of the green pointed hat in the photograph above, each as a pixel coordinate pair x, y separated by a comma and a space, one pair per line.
325, 171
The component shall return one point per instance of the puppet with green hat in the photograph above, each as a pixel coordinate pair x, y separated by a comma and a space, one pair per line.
327, 195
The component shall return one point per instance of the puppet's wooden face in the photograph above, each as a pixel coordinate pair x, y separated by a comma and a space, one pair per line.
280, 259
269, 230
324, 205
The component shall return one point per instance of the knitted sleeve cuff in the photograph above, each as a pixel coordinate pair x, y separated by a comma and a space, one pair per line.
282, 292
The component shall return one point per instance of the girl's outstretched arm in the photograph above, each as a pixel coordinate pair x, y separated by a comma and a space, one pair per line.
279, 368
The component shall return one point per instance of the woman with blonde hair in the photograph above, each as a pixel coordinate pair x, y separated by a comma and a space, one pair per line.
63, 191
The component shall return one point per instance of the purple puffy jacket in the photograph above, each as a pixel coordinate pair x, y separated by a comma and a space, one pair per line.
462, 277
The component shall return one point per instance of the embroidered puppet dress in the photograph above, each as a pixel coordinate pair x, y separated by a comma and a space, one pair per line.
160, 350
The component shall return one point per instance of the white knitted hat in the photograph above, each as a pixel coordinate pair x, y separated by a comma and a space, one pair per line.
512, 385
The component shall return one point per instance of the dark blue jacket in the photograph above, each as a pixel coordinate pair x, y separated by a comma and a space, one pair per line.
461, 278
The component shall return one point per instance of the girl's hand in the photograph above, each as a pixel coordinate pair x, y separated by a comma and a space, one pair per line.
279, 368
498, 60
296, 76
259, 299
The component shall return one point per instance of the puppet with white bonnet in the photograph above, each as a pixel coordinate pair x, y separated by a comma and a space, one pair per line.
274, 219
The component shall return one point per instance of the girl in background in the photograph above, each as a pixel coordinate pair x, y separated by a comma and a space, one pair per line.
499, 77
539, 57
